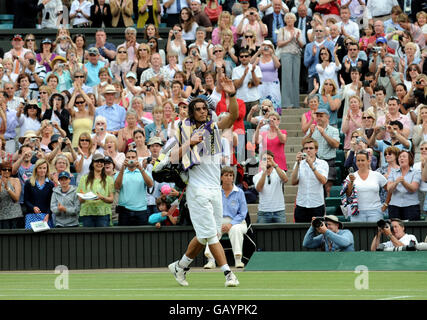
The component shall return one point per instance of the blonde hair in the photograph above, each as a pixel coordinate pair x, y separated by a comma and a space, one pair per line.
36, 166
334, 92
224, 14
112, 138
422, 106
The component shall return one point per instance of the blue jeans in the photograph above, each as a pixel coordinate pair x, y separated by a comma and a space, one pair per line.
271, 217
95, 221
132, 218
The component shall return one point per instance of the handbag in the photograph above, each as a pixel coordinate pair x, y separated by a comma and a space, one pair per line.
34, 217
323, 8
213, 10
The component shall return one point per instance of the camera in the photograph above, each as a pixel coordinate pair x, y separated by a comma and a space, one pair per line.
376, 49
32, 61
132, 145
149, 159
175, 32
366, 83
264, 111
102, 128
150, 44
358, 139
33, 139
382, 224
63, 38
148, 88
267, 121
61, 65
382, 72
304, 155
194, 53
266, 48
418, 82
131, 162
317, 223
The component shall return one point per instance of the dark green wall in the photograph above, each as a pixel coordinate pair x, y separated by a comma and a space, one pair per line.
145, 247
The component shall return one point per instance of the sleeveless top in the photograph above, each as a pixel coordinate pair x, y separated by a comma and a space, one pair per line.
9, 209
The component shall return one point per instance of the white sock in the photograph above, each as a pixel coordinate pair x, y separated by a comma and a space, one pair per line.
225, 268
237, 259
185, 262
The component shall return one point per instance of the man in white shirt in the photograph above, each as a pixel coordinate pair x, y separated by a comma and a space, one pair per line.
348, 27
381, 10
247, 78
130, 44
80, 12
396, 235
269, 183
310, 174
16, 54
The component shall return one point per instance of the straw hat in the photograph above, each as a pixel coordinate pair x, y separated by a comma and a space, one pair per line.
28, 134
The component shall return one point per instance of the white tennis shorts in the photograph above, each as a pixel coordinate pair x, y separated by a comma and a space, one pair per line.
205, 207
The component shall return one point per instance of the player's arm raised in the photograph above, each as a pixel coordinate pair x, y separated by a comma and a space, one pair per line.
228, 87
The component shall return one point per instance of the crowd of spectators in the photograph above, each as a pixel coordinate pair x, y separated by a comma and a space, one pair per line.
92, 118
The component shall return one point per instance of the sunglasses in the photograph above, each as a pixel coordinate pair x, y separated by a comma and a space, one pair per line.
43, 92
308, 148
7, 169
31, 40
188, 62
33, 107
122, 51
201, 109
249, 37
80, 102
217, 51
365, 118
79, 77
82, 140
328, 84
143, 49
99, 161
245, 56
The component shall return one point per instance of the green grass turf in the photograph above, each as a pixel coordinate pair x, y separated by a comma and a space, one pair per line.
161, 285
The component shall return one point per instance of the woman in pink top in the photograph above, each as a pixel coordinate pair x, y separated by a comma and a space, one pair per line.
255, 24
352, 120
225, 23
273, 139
307, 119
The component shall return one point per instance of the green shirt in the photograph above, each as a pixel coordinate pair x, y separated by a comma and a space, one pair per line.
96, 207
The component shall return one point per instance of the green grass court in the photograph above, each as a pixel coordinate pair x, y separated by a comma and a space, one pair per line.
209, 285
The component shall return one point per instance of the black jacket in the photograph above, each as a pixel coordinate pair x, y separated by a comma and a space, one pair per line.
268, 20
307, 25
25, 13
99, 17
64, 118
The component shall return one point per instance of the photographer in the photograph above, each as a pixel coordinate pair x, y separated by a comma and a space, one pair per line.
310, 174
131, 179
395, 232
36, 71
331, 236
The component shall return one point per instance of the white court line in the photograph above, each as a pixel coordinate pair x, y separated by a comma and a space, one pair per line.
206, 289
395, 298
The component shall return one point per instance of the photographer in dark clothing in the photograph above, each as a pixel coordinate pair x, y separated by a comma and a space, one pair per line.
25, 12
